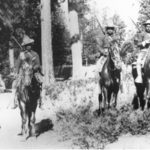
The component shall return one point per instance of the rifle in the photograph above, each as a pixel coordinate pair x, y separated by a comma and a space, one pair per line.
135, 25
17, 42
99, 25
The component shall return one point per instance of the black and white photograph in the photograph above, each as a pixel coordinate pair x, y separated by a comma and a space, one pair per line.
75, 74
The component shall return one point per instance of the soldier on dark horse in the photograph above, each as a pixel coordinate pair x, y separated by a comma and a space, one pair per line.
109, 66
28, 85
141, 69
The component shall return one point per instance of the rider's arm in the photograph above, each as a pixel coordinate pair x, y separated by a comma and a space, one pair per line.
18, 64
36, 61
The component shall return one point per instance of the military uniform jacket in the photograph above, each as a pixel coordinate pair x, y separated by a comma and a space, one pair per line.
109, 41
141, 37
30, 57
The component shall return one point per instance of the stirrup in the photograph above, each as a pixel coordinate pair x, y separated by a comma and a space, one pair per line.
139, 79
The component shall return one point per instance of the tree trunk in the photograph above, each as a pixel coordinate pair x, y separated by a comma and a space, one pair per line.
76, 47
47, 54
65, 13
11, 58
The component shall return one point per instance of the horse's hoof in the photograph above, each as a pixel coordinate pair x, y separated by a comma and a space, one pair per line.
20, 134
114, 105
96, 113
37, 135
28, 137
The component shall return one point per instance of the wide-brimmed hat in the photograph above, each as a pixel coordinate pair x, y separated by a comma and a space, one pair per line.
147, 22
110, 25
27, 40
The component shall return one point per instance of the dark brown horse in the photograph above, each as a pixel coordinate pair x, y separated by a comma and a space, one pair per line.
28, 93
142, 88
109, 83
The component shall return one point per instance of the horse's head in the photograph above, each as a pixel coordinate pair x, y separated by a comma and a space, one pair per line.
27, 70
112, 66
109, 62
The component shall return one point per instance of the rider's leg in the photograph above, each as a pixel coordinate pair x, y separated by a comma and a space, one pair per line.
39, 79
14, 93
15, 103
139, 70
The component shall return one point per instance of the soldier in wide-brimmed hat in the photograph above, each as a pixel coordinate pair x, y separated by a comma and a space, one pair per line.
143, 42
27, 55
109, 41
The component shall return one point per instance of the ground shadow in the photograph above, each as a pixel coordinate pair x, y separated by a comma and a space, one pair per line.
43, 126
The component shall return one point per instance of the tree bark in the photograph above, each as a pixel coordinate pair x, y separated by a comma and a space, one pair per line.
65, 13
47, 53
76, 47
11, 58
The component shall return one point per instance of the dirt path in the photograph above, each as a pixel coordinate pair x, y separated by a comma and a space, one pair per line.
10, 123
130, 142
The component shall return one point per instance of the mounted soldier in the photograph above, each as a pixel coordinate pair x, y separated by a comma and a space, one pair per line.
27, 55
142, 41
140, 66
109, 68
109, 41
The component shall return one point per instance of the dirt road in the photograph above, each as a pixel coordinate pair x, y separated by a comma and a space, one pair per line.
10, 123
130, 142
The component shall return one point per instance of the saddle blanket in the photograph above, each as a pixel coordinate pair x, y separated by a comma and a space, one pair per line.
143, 55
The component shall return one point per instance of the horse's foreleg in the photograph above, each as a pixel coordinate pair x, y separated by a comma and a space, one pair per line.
105, 99
109, 93
115, 102
32, 129
31, 124
24, 118
100, 103
140, 95
115, 96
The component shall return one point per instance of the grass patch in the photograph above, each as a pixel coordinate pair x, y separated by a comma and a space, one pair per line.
75, 103
87, 130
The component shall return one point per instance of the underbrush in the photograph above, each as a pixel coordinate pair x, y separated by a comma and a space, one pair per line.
72, 94
75, 104
87, 130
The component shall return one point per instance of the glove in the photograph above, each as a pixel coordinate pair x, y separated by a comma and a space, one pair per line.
144, 43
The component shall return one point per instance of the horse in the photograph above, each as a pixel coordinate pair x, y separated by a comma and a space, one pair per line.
109, 83
28, 93
142, 96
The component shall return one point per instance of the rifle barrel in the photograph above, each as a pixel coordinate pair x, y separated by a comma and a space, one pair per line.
99, 25
17, 42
